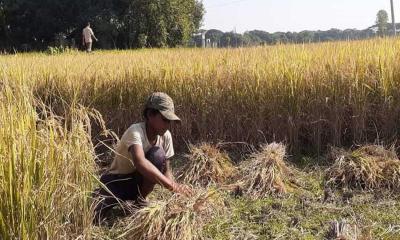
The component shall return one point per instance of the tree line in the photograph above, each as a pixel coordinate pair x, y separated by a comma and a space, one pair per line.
256, 37
121, 24
216, 38
36, 24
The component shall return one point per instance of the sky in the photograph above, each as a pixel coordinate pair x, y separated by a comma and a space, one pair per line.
293, 15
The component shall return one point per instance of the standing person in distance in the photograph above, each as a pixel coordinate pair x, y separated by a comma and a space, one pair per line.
87, 34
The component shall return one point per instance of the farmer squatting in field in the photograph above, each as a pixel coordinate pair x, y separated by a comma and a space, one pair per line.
142, 158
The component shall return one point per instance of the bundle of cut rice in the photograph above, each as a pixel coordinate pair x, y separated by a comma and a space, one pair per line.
206, 165
173, 218
266, 171
368, 167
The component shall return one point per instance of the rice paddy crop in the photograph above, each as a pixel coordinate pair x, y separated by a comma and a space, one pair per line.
307, 95
46, 168
53, 110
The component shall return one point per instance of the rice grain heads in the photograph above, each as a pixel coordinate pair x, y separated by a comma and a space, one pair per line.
369, 167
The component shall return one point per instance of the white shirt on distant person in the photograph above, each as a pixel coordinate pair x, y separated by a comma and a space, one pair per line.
87, 34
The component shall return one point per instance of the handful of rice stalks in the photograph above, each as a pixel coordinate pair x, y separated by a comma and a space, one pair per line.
176, 218
368, 167
266, 171
206, 165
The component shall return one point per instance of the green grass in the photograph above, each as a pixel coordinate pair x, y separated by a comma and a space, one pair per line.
304, 215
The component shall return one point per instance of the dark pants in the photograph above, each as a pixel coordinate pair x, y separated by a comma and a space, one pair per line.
127, 187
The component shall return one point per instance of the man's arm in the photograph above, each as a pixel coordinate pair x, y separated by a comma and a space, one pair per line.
151, 173
91, 32
147, 169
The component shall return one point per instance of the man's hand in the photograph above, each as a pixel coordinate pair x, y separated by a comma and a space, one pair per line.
182, 189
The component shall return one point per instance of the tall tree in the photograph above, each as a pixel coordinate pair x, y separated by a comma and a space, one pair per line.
382, 22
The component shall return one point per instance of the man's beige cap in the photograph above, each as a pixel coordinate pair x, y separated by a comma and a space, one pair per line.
163, 103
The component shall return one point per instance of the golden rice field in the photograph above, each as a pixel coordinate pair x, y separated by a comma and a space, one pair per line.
307, 95
54, 108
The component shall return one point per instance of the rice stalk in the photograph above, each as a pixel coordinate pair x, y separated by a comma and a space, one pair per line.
45, 168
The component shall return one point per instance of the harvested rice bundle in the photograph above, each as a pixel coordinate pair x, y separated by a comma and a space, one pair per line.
206, 165
176, 218
266, 171
368, 167
391, 175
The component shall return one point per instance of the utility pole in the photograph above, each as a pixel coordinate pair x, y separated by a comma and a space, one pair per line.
203, 39
235, 35
393, 21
